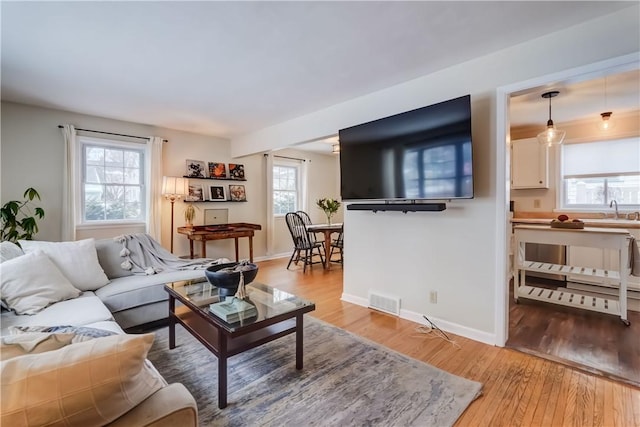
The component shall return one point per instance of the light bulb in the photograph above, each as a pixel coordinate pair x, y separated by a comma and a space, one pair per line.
606, 123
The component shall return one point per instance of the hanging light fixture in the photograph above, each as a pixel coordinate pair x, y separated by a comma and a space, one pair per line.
551, 136
606, 123
335, 148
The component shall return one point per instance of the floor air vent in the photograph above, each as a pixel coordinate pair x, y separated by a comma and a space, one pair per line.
384, 303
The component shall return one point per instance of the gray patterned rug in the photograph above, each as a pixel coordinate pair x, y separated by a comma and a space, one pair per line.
346, 381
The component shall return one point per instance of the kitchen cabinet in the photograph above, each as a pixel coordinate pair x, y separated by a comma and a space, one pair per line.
529, 164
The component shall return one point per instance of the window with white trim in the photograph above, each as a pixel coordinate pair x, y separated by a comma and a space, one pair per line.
595, 173
286, 189
112, 188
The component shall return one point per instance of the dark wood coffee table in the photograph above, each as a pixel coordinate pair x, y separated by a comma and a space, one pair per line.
279, 314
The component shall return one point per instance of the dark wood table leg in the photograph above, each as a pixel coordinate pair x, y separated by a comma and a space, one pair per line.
327, 249
250, 248
237, 257
299, 341
204, 249
172, 322
222, 372
191, 248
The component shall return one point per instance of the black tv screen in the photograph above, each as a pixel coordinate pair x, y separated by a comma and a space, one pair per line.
422, 154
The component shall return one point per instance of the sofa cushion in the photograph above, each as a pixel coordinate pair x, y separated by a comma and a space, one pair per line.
32, 343
78, 261
107, 325
88, 383
85, 309
9, 250
110, 258
31, 282
133, 291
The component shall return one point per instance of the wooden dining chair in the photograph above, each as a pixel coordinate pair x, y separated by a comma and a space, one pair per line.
307, 220
303, 244
338, 244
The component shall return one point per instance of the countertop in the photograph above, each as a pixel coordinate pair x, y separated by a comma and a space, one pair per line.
588, 222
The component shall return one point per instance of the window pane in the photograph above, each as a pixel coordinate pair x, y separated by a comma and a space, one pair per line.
585, 191
285, 189
113, 182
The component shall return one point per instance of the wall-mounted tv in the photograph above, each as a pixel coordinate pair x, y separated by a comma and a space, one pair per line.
422, 154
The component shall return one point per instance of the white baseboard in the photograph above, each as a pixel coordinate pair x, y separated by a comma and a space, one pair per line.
454, 328
270, 257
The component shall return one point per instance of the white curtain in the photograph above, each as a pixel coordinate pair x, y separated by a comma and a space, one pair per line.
154, 195
269, 202
304, 184
69, 187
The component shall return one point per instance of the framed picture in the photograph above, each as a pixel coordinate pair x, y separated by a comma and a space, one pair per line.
236, 171
196, 169
217, 170
216, 193
237, 193
196, 194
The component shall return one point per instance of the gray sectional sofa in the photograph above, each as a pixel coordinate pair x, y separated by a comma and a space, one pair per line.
128, 299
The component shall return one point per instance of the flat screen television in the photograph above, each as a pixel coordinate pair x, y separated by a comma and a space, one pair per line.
422, 154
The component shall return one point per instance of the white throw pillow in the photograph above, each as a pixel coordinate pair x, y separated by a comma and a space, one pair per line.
32, 282
86, 384
9, 250
77, 260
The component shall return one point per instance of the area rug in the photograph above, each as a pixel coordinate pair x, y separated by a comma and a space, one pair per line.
346, 381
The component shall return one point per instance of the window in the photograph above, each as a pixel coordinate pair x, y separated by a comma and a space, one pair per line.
113, 187
285, 189
595, 173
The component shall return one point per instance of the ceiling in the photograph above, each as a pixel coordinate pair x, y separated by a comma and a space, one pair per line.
229, 68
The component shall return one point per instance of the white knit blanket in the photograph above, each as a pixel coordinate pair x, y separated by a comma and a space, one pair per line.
143, 255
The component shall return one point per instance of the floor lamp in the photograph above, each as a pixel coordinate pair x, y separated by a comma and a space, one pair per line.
173, 188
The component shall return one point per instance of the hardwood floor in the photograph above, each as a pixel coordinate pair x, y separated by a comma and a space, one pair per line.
590, 341
519, 389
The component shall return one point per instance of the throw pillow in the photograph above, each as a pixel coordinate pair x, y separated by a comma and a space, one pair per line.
9, 250
110, 258
77, 260
79, 333
32, 282
37, 342
86, 384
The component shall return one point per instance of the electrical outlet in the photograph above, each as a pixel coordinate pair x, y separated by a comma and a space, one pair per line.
536, 203
433, 297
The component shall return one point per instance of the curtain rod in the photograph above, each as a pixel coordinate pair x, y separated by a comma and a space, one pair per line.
289, 158
111, 133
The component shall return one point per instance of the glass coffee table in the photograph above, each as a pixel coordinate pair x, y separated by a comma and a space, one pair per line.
278, 314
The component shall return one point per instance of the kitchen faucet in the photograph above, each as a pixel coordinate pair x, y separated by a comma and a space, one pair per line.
612, 204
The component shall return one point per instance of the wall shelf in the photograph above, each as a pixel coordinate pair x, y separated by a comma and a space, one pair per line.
215, 201
215, 178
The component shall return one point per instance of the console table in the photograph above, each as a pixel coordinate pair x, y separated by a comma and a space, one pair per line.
203, 233
607, 238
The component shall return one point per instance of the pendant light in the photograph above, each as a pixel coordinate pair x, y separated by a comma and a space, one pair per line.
335, 148
606, 123
551, 136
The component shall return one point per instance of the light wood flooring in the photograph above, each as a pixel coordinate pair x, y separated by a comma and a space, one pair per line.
519, 389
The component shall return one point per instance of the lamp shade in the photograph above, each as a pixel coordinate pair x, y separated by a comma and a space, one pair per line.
173, 186
552, 135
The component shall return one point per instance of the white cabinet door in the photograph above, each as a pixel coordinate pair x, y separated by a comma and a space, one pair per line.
529, 164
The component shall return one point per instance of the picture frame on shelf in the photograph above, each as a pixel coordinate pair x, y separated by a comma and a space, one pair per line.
236, 171
196, 193
217, 193
196, 169
217, 170
237, 193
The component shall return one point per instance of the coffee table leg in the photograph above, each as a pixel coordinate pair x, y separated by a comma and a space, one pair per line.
299, 335
172, 322
222, 372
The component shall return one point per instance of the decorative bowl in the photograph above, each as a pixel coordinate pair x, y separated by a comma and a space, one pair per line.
227, 282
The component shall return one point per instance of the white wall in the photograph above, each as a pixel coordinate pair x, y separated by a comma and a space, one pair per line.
452, 252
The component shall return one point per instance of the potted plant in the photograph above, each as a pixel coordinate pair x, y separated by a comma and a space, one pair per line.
329, 206
19, 218
190, 214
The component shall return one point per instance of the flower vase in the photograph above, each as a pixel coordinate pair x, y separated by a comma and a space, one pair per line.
328, 218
